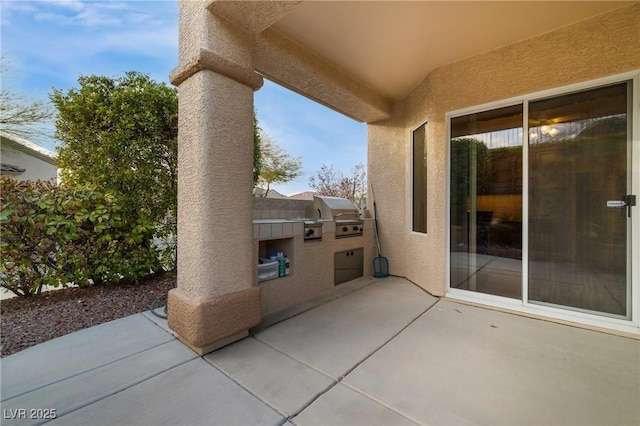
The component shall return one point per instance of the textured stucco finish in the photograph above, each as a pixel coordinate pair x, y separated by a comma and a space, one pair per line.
215, 207
289, 64
207, 60
388, 179
253, 16
215, 298
605, 45
202, 322
201, 29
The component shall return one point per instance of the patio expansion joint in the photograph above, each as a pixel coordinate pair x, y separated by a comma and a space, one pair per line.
341, 378
286, 416
384, 404
388, 340
133, 384
295, 359
90, 370
157, 321
316, 303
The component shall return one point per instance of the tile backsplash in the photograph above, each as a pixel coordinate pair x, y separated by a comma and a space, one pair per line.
276, 208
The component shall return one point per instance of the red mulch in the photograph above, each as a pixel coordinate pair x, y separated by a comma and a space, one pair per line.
29, 321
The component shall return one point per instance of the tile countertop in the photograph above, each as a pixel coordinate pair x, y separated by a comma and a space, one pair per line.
296, 220
266, 229
266, 221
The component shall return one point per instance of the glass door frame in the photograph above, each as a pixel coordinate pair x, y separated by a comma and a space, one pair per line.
523, 305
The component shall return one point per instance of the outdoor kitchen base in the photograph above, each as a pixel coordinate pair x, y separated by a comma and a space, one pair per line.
321, 252
348, 265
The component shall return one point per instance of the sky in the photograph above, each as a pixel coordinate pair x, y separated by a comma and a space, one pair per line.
49, 44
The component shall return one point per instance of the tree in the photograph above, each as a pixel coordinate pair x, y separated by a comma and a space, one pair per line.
470, 163
276, 165
120, 134
18, 115
329, 182
257, 151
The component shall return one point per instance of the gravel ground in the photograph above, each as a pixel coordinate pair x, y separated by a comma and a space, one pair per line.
29, 321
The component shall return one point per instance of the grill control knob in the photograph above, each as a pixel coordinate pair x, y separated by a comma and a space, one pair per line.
355, 228
309, 232
345, 229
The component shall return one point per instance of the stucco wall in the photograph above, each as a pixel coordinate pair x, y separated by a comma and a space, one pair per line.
35, 168
605, 45
388, 179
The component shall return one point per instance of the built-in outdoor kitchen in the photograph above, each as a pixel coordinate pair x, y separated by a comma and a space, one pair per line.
304, 248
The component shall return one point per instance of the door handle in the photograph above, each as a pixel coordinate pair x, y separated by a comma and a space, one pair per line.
616, 204
627, 201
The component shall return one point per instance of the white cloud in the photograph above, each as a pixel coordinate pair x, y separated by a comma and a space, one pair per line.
94, 14
54, 52
147, 41
134, 28
87, 18
69, 4
8, 9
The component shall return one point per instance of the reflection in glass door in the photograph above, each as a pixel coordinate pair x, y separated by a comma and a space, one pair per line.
578, 161
486, 202
577, 196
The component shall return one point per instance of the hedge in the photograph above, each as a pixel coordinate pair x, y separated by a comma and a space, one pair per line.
59, 235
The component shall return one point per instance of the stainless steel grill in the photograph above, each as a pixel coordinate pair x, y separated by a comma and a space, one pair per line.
312, 230
342, 211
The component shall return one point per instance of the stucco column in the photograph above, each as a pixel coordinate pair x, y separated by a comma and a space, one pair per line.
215, 301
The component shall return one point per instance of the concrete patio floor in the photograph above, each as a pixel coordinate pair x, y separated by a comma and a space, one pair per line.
380, 352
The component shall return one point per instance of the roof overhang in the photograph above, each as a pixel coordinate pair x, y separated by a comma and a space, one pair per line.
28, 147
359, 57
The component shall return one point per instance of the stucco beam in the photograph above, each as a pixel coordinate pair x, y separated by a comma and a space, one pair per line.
250, 15
291, 65
207, 60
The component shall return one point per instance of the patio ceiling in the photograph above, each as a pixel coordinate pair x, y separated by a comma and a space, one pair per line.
390, 46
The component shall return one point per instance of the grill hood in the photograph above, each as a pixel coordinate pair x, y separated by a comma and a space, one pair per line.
332, 208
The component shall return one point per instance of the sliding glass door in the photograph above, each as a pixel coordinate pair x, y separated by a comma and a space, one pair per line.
486, 202
578, 165
573, 211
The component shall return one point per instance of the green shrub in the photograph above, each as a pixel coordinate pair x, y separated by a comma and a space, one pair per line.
57, 235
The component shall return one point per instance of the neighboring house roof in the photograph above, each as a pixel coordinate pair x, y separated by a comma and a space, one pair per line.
25, 160
275, 194
306, 195
27, 147
259, 192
